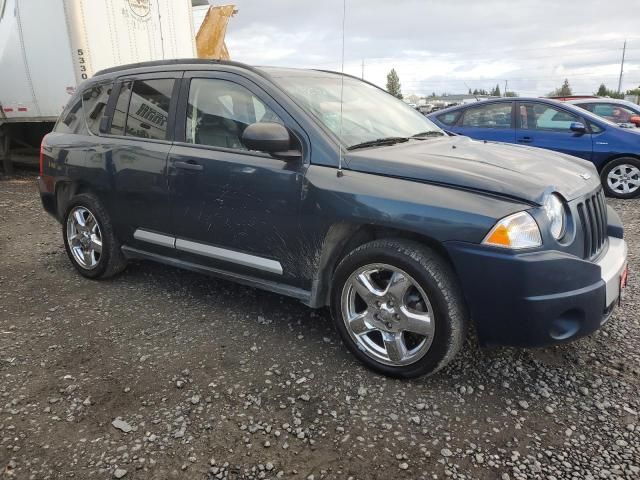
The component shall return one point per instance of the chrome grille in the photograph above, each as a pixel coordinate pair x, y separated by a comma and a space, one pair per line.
593, 217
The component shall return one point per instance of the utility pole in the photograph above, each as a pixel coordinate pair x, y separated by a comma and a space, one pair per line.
506, 83
624, 50
362, 69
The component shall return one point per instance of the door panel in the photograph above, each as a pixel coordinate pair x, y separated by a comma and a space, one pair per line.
547, 126
137, 172
134, 156
232, 208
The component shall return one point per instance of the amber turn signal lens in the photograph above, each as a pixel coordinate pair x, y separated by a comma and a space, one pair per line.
516, 231
499, 236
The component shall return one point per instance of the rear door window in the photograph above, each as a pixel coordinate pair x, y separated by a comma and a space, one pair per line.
449, 118
142, 109
492, 115
149, 109
94, 104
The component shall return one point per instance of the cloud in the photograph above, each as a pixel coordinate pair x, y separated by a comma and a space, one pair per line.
445, 46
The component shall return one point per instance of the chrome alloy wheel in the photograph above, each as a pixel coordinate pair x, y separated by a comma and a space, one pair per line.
387, 314
84, 237
624, 179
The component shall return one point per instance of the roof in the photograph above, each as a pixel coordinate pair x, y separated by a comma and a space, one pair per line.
502, 100
566, 105
188, 63
571, 97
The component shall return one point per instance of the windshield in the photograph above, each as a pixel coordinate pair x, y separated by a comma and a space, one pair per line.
368, 113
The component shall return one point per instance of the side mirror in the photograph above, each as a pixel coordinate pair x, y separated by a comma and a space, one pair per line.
578, 127
271, 138
636, 120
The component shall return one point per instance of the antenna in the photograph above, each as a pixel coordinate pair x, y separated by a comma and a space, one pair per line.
344, 16
160, 27
469, 88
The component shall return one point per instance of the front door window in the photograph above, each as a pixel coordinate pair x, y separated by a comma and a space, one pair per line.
540, 116
219, 111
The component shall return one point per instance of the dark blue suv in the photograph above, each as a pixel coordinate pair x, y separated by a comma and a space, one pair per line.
562, 127
263, 176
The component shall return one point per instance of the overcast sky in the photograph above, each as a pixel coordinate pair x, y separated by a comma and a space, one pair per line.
444, 45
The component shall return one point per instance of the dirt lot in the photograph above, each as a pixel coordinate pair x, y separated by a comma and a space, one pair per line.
207, 379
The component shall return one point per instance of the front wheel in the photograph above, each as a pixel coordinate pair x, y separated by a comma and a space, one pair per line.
397, 307
621, 178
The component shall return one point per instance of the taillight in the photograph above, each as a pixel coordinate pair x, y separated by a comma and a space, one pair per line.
42, 157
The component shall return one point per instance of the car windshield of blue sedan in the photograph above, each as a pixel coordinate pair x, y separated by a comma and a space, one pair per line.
369, 114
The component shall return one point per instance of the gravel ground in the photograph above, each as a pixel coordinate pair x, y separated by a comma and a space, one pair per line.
162, 374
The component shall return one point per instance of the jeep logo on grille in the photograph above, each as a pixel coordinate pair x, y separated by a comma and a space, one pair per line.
140, 8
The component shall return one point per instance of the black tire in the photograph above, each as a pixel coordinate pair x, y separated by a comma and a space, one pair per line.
604, 176
437, 279
111, 260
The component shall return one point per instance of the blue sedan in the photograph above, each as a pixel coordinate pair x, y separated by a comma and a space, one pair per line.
558, 126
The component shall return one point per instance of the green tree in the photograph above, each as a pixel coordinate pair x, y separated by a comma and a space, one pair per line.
510, 94
635, 91
496, 91
393, 84
603, 91
563, 91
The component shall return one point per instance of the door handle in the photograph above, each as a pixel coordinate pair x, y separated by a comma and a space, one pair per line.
188, 166
525, 140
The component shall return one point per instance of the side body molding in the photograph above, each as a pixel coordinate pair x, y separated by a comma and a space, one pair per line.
239, 258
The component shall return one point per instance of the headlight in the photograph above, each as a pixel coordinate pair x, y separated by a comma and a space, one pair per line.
516, 231
557, 217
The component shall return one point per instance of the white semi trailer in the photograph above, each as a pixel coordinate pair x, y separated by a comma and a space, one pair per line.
48, 47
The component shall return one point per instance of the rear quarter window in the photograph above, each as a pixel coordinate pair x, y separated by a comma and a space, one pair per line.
72, 118
94, 104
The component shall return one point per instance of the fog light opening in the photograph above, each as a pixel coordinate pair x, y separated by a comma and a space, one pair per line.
566, 325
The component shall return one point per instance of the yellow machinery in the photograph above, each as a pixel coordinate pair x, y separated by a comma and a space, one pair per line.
210, 37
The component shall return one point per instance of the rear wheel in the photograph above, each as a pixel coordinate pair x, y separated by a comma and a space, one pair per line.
621, 177
89, 239
397, 307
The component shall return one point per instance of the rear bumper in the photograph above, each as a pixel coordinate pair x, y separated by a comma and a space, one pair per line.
47, 195
538, 298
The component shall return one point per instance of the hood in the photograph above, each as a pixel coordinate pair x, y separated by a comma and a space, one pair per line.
515, 171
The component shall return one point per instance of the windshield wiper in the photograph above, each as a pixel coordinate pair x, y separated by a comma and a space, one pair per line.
379, 142
430, 133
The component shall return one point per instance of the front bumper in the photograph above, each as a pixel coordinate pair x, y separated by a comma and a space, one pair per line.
538, 298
